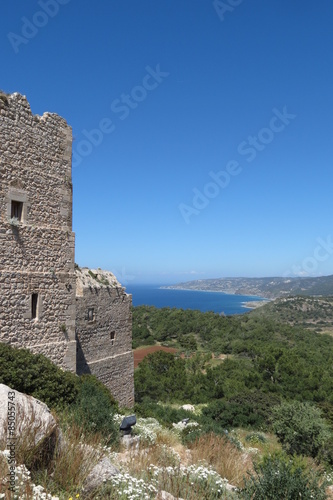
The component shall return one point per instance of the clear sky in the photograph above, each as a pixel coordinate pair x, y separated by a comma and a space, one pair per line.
203, 130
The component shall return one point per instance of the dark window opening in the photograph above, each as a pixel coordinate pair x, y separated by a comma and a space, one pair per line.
112, 337
91, 314
34, 302
17, 209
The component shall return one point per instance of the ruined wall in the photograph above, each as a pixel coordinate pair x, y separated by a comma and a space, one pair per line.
104, 332
38, 303
37, 244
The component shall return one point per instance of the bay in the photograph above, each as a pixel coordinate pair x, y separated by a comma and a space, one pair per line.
218, 302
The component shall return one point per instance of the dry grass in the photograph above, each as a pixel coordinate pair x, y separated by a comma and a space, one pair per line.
271, 445
157, 454
223, 456
166, 469
59, 462
73, 460
170, 439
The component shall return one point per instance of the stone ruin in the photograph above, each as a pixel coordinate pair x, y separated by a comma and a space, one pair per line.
79, 318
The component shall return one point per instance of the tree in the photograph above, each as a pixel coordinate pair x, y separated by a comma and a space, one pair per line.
300, 428
161, 376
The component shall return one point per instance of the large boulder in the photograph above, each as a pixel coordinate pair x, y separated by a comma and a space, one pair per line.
25, 418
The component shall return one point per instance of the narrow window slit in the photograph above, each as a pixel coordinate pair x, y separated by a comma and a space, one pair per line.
17, 209
34, 303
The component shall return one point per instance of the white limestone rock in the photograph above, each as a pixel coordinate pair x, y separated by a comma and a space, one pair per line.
33, 419
188, 407
103, 471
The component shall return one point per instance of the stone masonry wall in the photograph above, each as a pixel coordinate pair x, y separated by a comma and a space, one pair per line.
81, 321
37, 251
104, 332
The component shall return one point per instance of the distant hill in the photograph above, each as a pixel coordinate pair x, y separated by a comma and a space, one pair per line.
269, 288
314, 313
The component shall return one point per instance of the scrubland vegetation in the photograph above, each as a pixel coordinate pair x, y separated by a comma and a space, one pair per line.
261, 425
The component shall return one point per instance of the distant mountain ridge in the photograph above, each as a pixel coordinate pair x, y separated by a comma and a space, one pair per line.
270, 288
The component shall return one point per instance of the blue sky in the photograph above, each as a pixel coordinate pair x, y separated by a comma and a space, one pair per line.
203, 130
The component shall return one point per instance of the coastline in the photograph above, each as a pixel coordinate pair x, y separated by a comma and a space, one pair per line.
194, 290
225, 292
254, 304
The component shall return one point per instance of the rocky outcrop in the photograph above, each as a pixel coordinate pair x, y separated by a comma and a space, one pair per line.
25, 418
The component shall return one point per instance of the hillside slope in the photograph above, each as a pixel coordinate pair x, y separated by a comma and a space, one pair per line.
315, 313
270, 288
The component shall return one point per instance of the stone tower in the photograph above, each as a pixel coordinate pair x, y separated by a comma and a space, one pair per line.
81, 321
37, 279
104, 332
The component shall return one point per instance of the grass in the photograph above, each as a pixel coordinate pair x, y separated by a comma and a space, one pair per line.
264, 448
218, 452
71, 463
161, 467
60, 469
103, 280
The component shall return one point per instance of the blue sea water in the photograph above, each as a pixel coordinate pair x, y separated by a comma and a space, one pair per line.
153, 295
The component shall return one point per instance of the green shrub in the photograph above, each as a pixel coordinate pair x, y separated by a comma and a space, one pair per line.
228, 415
255, 438
262, 404
278, 477
190, 434
327, 410
188, 342
300, 428
325, 454
36, 375
162, 377
94, 408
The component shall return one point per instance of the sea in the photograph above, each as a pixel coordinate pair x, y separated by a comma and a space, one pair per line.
218, 302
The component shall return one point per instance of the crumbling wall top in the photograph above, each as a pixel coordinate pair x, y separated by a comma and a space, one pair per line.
17, 104
94, 278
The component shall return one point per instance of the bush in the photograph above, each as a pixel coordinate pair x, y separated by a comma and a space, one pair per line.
191, 433
300, 428
161, 376
278, 477
325, 454
228, 415
37, 376
262, 404
256, 438
94, 408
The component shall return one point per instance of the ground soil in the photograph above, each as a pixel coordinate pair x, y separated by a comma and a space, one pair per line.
141, 352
